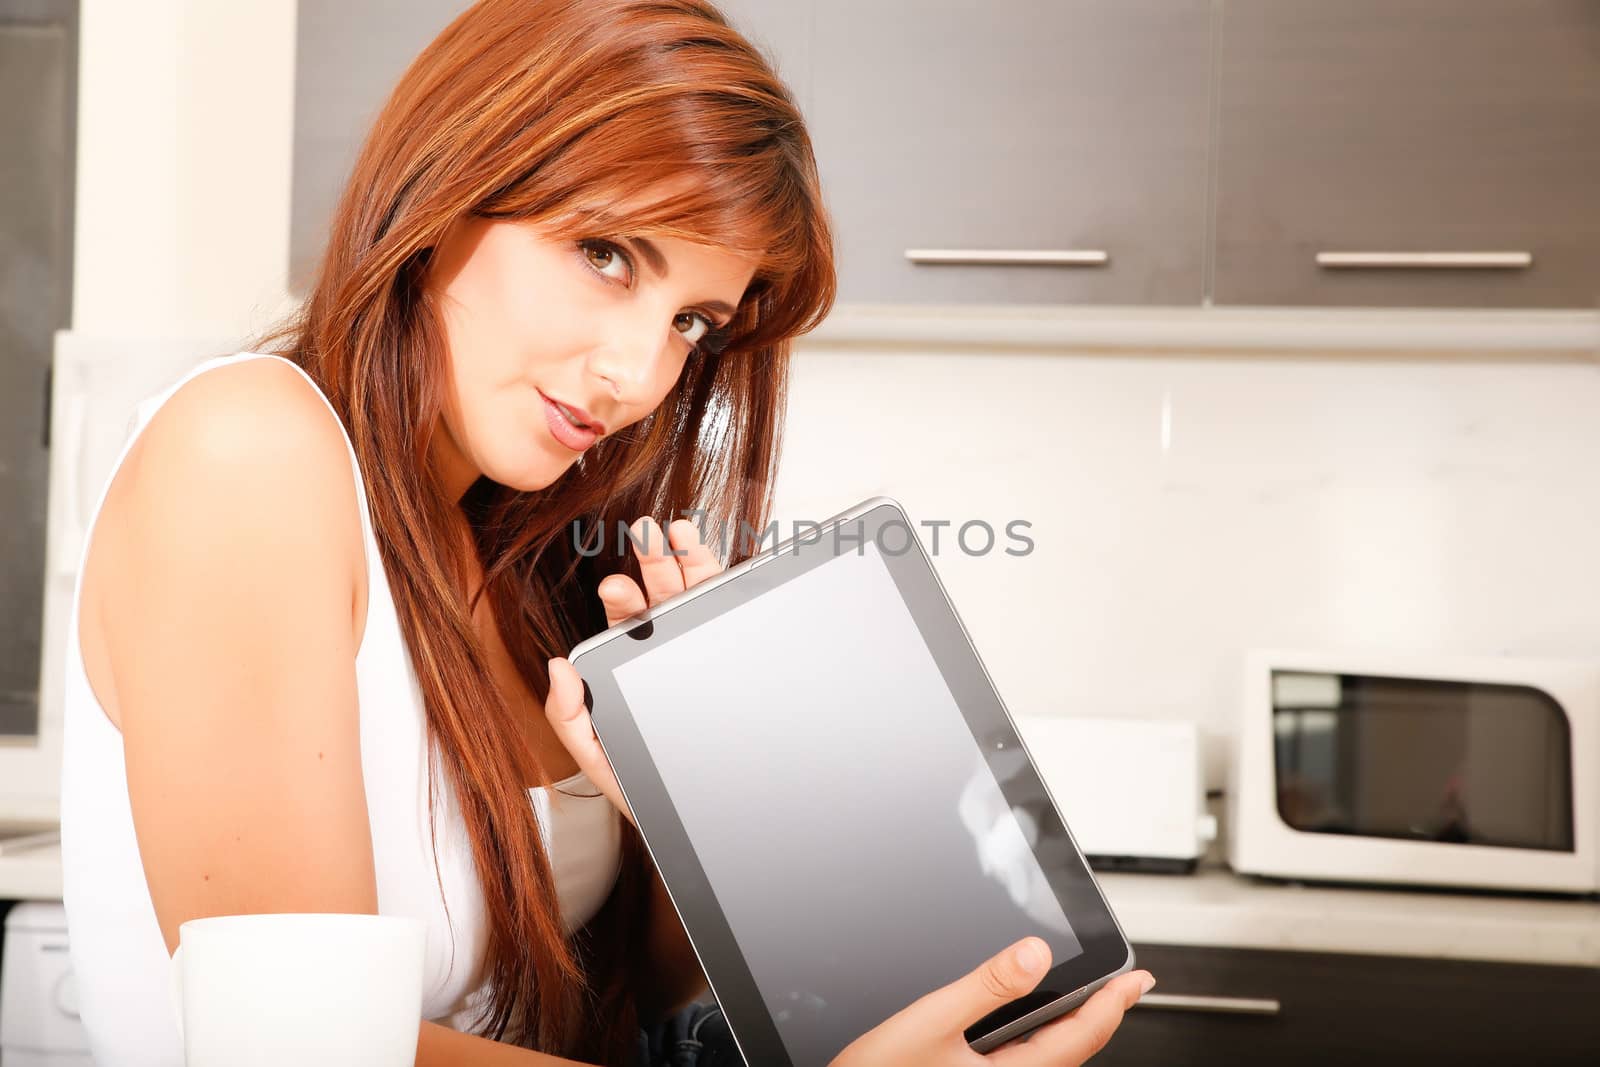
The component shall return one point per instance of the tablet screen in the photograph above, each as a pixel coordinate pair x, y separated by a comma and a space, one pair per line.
893, 875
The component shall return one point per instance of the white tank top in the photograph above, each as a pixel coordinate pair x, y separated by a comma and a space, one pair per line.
118, 954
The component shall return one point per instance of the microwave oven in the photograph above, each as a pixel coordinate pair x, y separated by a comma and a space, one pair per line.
1418, 769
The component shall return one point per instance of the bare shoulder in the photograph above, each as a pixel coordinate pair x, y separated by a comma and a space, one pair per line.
259, 414
250, 451
224, 622
242, 471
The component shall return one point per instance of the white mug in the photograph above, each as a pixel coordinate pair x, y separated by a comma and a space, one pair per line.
304, 989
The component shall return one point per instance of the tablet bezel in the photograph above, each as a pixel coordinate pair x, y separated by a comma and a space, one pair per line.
1106, 951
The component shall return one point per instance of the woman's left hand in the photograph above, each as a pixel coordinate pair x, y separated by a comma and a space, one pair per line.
664, 576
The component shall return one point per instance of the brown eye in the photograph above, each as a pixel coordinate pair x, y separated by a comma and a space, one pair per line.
692, 326
607, 261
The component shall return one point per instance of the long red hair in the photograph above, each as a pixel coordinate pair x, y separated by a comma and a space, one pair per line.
553, 112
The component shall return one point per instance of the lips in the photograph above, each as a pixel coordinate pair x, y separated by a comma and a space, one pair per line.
560, 418
582, 416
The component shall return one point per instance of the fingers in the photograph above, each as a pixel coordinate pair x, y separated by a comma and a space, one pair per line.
698, 562
998, 981
622, 598
665, 575
1083, 1032
569, 718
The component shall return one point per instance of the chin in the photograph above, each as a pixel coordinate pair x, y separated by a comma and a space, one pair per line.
530, 474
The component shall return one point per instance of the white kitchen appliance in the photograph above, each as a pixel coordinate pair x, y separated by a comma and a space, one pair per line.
97, 383
39, 1024
1131, 790
1418, 769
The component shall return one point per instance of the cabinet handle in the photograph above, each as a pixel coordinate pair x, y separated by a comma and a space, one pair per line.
1425, 260
1210, 1005
1014, 257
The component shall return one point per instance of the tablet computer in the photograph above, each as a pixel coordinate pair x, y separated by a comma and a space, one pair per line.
838, 802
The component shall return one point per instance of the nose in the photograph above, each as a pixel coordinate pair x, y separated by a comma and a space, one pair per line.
627, 355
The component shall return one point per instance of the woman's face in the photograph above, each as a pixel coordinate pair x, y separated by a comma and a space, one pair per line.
536, 324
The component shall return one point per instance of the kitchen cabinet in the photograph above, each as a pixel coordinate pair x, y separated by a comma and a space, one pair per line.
38, 108
783, 33
1072, 129
1228, 1006
1134, 152
1031, 126
1406, 127
348, 56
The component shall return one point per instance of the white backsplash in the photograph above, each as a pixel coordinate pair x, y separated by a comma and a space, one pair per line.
1185, 508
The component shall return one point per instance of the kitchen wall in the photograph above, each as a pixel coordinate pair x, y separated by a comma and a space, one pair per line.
184, 133
1184, 505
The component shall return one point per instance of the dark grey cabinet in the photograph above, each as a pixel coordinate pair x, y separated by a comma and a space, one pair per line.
38, 109
783, 33
348, 57
1149, 152
1237, 1007
1065, 129
1407, 127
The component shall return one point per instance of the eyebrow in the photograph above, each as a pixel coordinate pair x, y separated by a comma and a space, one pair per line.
658, 263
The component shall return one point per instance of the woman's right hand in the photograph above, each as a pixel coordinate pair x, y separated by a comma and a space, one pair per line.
929, 1032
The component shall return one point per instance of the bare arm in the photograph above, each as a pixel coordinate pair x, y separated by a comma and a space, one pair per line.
226, 597
227, 570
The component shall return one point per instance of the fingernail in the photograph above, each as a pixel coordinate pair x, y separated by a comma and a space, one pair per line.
1030, 957
1147, 983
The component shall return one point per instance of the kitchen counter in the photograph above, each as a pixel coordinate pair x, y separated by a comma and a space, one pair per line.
1216, 908
34, 874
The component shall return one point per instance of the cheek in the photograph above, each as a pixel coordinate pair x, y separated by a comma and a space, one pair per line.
496, 346
512, 305
467, 351
478, 401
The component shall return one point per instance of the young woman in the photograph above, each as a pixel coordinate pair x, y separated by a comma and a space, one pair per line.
314, 660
